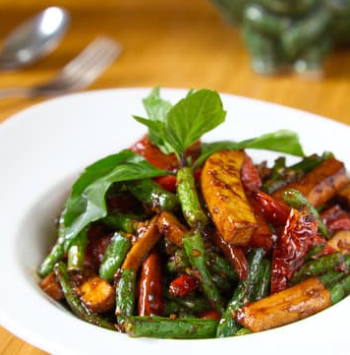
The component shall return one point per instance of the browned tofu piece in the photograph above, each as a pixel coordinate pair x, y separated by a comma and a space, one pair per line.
295, 303
170, 227
97, 295
143, 246
225, 197
321, 183
341, 242
344, 195
51, 287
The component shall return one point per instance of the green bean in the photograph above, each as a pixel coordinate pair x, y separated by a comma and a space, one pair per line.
228, 325
114, 255
319, 266
261, 288
314, 252
56, 254
295, 199
281, 175
125, 295
191, 207
216, 264
221, 282
162, 327
332, 277
340, 290
243, 331
73, 300
179, 262
194, 304
76, 252
153, 194
221, 266
126, 223
194, 247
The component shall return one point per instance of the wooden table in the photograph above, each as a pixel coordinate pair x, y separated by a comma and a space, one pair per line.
172, 43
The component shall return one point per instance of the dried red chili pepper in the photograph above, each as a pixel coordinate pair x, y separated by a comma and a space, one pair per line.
211, 314
291, 248
182, 285
234, 254
276, 212
150, 287
250, 175
163, 161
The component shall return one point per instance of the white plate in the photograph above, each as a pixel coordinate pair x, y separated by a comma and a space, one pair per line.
44, 147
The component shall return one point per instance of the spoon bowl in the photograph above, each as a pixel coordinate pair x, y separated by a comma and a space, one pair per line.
34, 39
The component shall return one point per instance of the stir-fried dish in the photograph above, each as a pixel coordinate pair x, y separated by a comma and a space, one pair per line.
175, 238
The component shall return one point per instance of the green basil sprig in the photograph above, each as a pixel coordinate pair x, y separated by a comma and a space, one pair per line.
86, 202
178, 127
283, 141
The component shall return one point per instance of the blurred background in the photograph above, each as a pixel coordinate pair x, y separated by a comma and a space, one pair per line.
171, 43
174, 43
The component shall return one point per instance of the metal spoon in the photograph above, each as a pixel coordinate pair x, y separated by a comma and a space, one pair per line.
34, 39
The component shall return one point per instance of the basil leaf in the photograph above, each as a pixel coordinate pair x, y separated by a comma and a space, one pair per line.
86, 202
156, 134
193, 116
283, 141
157, 110
156, 107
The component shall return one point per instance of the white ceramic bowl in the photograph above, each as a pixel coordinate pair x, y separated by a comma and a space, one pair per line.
43, 148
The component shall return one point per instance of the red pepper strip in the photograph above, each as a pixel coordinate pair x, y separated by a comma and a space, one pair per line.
250, 175
291, 248
160, 160
163, 161
263, 236
211, 314
154, 155
276, 212
150, 287
234, 254
182, 285
167, 182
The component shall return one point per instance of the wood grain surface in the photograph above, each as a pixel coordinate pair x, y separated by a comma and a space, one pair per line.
172, 43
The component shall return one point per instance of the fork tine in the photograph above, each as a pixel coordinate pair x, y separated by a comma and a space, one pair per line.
83, 69
97, 46
92, 67
83, 62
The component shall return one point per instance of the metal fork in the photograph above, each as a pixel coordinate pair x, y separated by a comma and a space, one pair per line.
77, 74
